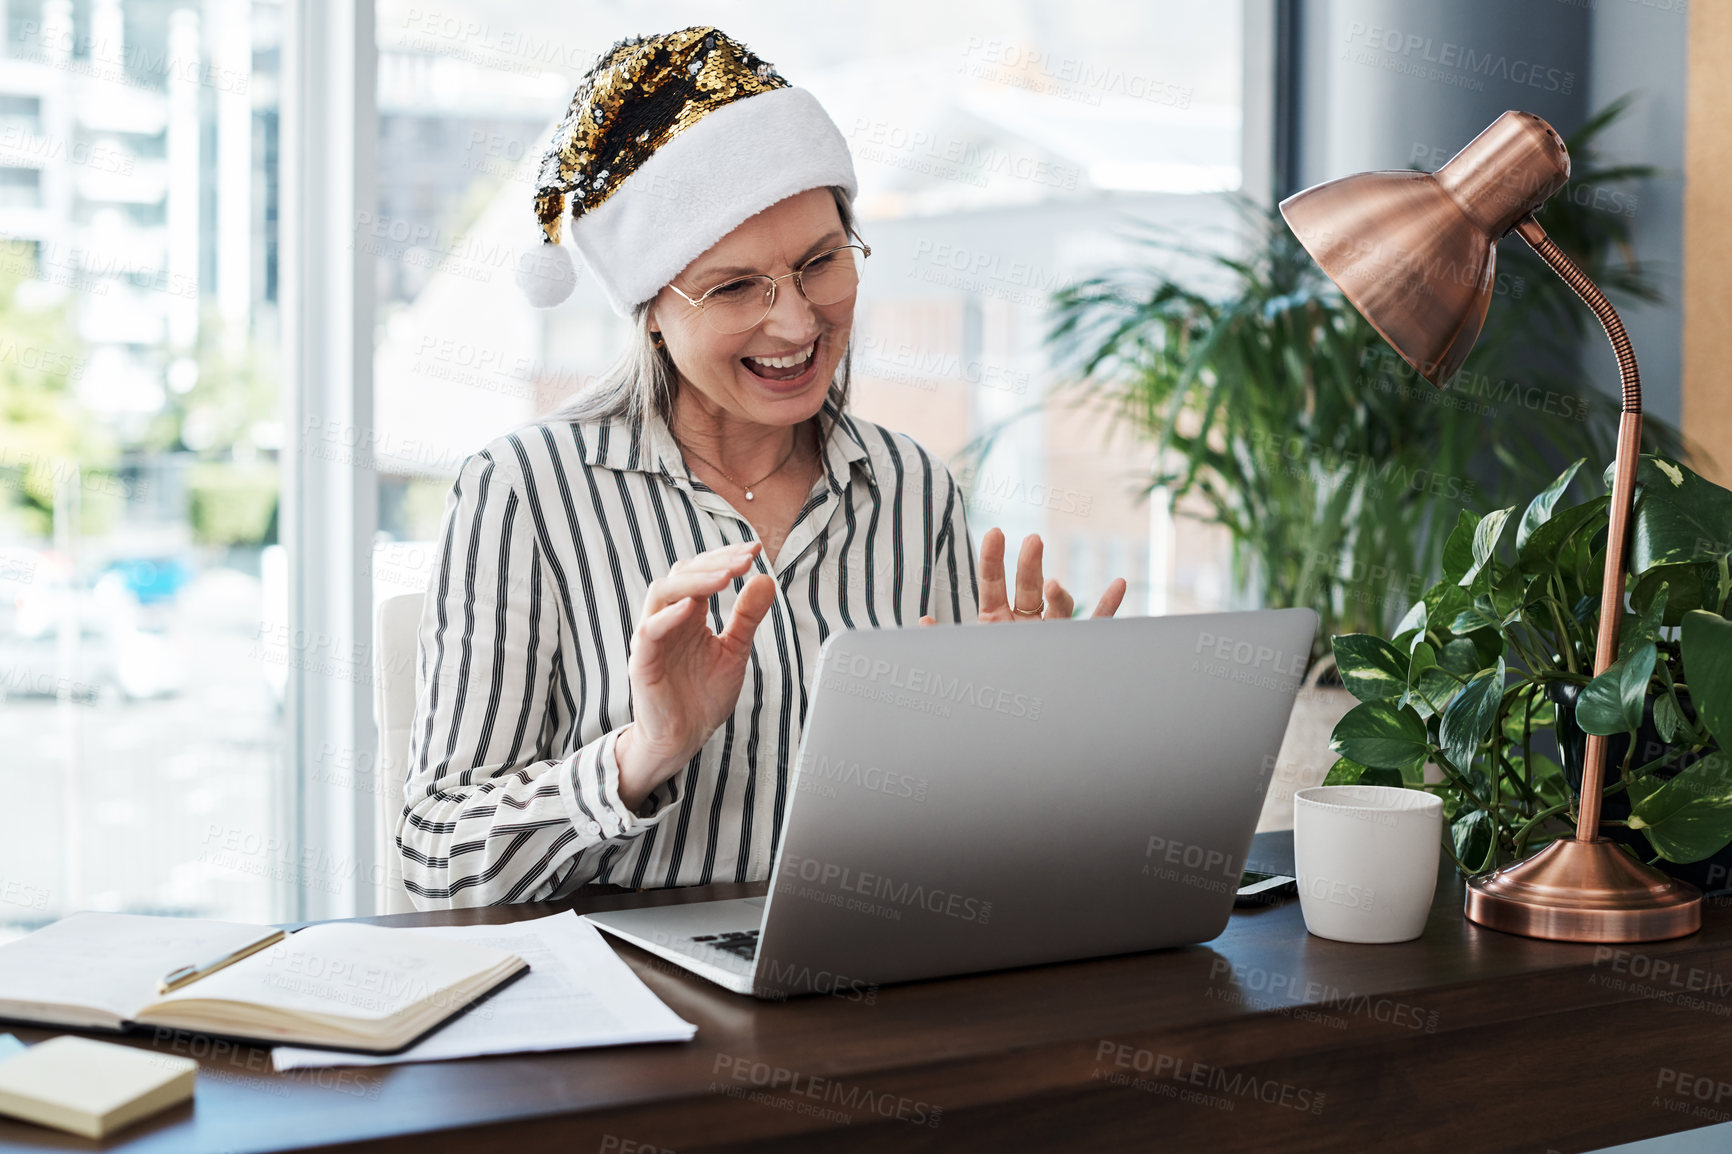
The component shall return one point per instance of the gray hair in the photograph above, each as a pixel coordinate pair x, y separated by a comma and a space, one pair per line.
644, 375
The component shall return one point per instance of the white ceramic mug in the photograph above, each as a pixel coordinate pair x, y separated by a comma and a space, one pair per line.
1367, 857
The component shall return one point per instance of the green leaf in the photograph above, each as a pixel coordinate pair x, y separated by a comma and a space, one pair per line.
1545, 545
1346, 771
1461, 657
1509, 593
1371, 668
1422, 664
1458, 548
1612, 702
1679, 516
1476, 616
1381, 734
1686, 583
1432, 691
1482, 620
1422, 658
1689, 817
1469, 718
1654, 801
1443, 603
1707, 649
1415, 621
1489, 644
1539, 510
1647, 626
1471, 835
1668, 718
1485, 538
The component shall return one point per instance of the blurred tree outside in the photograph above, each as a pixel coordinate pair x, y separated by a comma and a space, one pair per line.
222, 410
45, 434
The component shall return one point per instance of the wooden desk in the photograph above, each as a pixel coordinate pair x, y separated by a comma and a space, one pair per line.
1264, 1039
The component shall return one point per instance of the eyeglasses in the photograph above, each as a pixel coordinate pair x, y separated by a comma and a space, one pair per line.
828, 278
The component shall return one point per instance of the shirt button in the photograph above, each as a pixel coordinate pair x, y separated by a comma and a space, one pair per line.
594, 827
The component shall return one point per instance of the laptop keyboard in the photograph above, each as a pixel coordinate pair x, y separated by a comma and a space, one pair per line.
743, 943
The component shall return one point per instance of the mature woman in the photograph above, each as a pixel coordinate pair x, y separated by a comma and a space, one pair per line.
604, 572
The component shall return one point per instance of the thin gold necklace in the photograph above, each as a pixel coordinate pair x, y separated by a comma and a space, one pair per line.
754, 484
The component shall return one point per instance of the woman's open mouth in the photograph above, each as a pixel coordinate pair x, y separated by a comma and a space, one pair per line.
788, 371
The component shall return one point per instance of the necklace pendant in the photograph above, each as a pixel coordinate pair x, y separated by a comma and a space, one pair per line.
748, 494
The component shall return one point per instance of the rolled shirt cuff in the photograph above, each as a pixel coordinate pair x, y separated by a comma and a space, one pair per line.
591, 794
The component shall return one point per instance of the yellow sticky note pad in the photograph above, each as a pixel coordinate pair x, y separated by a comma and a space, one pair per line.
92, 1088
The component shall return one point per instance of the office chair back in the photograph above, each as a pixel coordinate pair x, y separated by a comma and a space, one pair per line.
396, 685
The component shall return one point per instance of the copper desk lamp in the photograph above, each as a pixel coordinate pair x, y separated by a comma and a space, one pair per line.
1415, 252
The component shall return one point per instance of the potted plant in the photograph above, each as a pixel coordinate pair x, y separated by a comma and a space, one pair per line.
1280, 414
1489, 677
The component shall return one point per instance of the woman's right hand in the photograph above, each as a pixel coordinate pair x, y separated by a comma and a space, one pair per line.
685, 677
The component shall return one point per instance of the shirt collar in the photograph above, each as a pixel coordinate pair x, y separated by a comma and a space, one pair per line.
647, 446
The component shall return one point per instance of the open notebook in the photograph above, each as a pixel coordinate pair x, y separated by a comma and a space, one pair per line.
339, 985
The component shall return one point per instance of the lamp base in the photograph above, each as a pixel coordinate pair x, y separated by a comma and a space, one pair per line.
1585, 891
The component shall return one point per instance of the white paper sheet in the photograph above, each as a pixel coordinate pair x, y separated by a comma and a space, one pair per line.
577, 993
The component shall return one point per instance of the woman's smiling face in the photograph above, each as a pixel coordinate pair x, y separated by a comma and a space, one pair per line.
806, 340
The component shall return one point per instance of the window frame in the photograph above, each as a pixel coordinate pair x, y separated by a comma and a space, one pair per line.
328, 189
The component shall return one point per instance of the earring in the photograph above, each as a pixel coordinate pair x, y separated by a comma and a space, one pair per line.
656, 340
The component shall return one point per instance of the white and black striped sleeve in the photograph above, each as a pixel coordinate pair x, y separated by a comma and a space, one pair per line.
956, 586
490, 815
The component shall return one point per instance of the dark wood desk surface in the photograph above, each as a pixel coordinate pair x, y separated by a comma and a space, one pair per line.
1264, 1039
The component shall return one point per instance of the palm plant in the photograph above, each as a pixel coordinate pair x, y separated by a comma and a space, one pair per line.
44, 432
1280, 412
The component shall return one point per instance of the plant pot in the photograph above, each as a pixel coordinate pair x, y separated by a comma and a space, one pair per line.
1305, 757
1710, 875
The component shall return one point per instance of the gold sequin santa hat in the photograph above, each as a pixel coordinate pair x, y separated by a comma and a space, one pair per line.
670, 143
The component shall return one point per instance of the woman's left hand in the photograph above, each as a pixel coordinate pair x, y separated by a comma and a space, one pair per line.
1051, 598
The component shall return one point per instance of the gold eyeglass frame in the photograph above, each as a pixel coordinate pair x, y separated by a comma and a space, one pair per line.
770, 304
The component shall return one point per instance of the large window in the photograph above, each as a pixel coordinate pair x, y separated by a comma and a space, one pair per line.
141, 728
151, 621
1002, 148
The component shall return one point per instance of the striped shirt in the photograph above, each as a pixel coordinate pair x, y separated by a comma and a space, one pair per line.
552, 534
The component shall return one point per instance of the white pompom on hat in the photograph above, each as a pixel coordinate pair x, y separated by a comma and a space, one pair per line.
545, 274
670, 143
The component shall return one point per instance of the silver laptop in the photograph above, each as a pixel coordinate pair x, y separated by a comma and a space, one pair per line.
984, 796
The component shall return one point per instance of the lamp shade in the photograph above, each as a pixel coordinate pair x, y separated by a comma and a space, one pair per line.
1415, 252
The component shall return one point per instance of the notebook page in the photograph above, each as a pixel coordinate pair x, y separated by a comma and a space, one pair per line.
347, 969
109, 963
577, 993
